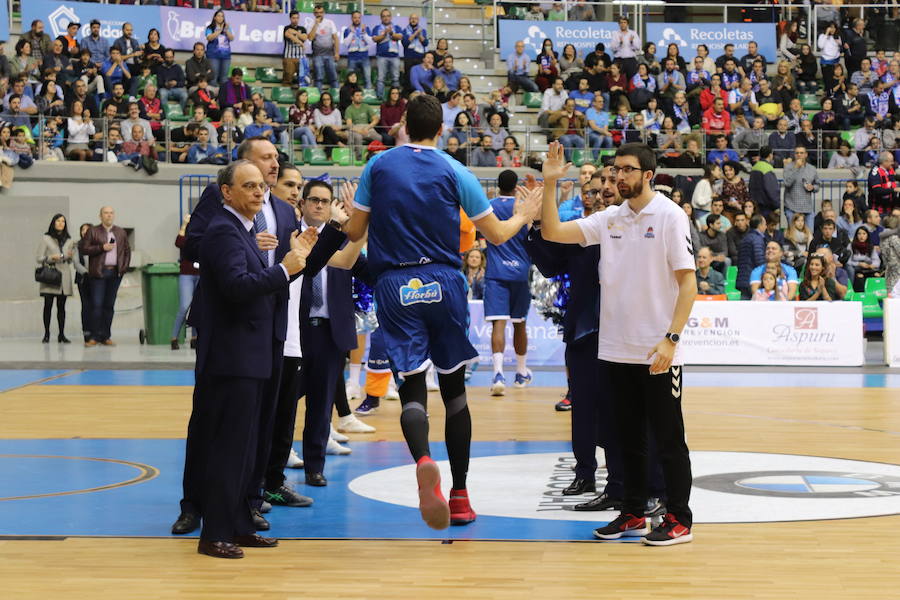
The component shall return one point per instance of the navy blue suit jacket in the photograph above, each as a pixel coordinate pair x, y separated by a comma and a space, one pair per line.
238, 307
210, 204
551, 258
339, 296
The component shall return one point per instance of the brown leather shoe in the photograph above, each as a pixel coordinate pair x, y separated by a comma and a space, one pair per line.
255, 541
219, 549
90, 343
108, 343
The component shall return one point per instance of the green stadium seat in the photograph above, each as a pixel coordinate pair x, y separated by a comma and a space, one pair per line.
334, 8
871, 307
515, 12
174, 113
258, 89
876, 287
284, 112
579, 157
342, 156
602, 154
267, 75
369, 97
850, 296
282, 95
848, 137
306, 6
315, 156
532, 99
350, 7
249, 76
731, 274
810, 102
335, 94
733, 295
314, 95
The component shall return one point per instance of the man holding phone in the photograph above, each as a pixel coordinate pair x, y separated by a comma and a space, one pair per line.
110, 256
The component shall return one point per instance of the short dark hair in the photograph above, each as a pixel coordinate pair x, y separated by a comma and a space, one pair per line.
756, 221
711, 219
829, 222
642, 152
309, 185
507, 181
237, 71
292, 13
424, 117
284, 166
765, 152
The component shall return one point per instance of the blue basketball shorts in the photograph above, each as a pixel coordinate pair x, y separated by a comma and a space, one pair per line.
506, 300
378, 362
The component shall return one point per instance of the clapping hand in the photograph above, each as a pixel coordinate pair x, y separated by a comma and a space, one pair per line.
304, 242
266, 241
528, 202
555, 165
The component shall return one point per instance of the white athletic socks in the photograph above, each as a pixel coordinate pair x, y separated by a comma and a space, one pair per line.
497, 358
355, 369
520, 364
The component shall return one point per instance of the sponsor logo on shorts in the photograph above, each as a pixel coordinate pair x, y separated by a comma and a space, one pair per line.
416, 292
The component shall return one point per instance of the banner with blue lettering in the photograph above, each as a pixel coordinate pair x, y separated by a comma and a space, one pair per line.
584, 35
687, 36
545, 346
180, 28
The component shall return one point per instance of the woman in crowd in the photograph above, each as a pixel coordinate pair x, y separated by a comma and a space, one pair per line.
81, 279
674, 52
865, 260
441, 50
465, 134
300, 115
391, 112
203, 96
853, 191
668, 139
154, 51
465, 85
510, 156
218, 47
750, 208
806, 69
849, 219
788, 50
641, 88
79, 129
548, 66
839, 81
570, 62
677, 196
688, 209
152, 111
769, 290
825, 122
345, 94
648, 59
474, 263
57, 249
816, 285
829, 44
705, 190
784, 83
709, 65
23, 64
439, 89
329, 124
797, 239
49, 104
734, 188
188, 277
228, 128
653, 117
617, 85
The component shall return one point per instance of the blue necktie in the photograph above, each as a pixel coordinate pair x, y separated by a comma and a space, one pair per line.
259, 226
317, 299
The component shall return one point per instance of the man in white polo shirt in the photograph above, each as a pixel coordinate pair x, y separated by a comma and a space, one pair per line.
649, 284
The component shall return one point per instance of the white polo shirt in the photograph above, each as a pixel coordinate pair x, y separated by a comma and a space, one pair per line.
639, 255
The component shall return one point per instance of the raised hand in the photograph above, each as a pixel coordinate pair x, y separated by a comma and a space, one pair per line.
528, 202
347, 193
555, 165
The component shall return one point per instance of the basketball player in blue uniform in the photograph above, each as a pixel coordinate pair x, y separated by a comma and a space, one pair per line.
409, 199
507, 296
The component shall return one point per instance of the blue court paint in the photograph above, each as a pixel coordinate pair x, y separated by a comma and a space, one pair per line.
127, 377
149, 508
17, 378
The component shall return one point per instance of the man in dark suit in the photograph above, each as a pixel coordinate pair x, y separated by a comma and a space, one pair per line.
237, 354
273, 233
327, 333
110, 256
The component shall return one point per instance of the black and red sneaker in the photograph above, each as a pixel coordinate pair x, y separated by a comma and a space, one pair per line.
461, 512
565, 404
625, 525
670, 532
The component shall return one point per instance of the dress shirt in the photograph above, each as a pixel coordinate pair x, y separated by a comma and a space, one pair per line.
517, 64
622, 47
248, 225
271, 223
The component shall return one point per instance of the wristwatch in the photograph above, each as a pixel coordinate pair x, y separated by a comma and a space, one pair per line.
335, 223
673, 337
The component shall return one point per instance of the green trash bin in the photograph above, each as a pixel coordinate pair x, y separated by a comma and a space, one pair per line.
159, 283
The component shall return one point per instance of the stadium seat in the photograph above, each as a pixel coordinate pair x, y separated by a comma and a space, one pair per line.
810, 102
258, 89
532, 99
876, 287
579, 157
848, 137
314, 95
515, 12
603, 154
369, 97
267, 75
871, 307
282, 95
174, 113
316, 156
850, 296
342, 156
284, 112
733, 295
335, 94
334, 8
731, 274
249, 75
306, 6
350, 7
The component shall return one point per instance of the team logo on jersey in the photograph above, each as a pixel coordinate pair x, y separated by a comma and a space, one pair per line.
416, 292
649, 233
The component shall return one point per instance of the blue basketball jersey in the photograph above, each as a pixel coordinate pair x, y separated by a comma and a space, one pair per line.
509, 261
413, 194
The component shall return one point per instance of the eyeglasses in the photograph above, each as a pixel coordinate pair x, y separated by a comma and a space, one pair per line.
592, 192
626, 170
250, 186
317, 200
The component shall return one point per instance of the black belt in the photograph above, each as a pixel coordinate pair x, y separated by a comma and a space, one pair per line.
110, 268
318, 321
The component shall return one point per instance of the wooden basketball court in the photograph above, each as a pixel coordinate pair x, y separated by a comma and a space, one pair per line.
835, 558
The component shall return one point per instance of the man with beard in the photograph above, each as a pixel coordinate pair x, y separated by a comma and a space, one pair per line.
648, 277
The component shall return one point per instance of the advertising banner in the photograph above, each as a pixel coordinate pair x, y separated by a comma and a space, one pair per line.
715, 35
584, 35
545, 347
180, 28
4, 21
774, 333
892, 332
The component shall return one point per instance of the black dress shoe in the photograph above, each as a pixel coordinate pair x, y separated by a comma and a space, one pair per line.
255, 541
186, 523
259, 522
219, 549
193, 343
63, 339
601, 502
285, 496
316, 479
46, 339
581, 486
174, 344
